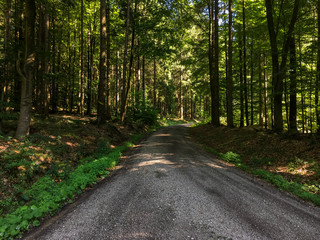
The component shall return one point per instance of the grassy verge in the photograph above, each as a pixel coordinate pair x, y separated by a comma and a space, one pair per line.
277, 180
46, 196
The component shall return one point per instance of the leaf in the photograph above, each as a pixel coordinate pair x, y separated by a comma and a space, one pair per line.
36, 223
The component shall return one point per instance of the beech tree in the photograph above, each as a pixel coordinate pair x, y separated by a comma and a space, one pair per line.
26, 72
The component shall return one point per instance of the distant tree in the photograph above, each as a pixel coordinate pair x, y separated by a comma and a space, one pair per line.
229, 71
101, 108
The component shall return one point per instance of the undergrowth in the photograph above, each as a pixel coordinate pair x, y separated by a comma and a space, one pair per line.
46, 195
56, 184
300, 190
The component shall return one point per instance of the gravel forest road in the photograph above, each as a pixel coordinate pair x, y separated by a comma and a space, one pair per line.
170, 188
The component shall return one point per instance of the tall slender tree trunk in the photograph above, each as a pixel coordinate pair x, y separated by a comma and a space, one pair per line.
181, 95
154, 83
229, 72
118, 77
317, 85
251, 86
278, 71
73, 70
260, 91
215, 84
293, 86
43, 60
91, 50
211, 67
8, 66
302, 86
143, 82
266, 95
245, 61
101, 108
241, 86
18, 5
81, 62
125, 61
26, 73
108, 104
54, 97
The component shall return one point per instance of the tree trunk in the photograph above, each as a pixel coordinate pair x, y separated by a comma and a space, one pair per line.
27, 72
154, 83
7, 74
143, 83
293, 86
91, 51
245, 62
181, 95
43, 60
54, 104
101, 108
278, 72
229, 72
81, 62
266, 95
241, 87
108, 106
125, 60
215, 84
211, 68
317, 87
251, 86
260, 92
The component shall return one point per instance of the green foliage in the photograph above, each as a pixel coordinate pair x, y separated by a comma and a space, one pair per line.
296, 163
231, 157
305, 191
203, 122
147, 116
46, 195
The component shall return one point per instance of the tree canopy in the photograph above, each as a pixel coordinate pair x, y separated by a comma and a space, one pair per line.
240, 62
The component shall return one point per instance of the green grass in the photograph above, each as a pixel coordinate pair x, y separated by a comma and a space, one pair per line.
46, 195
302, 191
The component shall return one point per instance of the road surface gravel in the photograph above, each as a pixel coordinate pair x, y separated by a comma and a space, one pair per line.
170, 188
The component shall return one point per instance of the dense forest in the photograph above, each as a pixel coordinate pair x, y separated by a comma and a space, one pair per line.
239, 62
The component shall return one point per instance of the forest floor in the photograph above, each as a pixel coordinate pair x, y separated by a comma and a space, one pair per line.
294, 157
55, 147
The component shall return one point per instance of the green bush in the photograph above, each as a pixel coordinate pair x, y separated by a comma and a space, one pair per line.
147, 116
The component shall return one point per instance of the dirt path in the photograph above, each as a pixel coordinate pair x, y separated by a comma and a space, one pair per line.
172, 189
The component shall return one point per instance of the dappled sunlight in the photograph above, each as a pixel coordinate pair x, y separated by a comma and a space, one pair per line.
153, 162
213, 165
302, 171
163, 135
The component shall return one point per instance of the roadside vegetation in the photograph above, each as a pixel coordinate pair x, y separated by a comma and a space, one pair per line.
63, 156
289, 161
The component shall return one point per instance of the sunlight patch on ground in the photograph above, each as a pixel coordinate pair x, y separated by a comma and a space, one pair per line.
303, 171
213, 165
163, 135
161, 161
